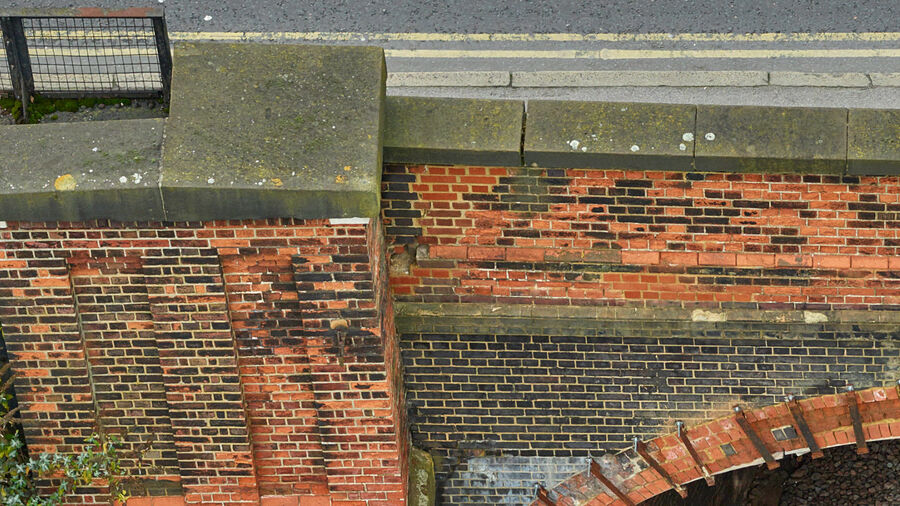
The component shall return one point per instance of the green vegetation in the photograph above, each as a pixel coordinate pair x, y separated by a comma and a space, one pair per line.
42, 106
19, 473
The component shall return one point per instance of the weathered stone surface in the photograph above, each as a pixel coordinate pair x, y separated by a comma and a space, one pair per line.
609, 135
260, 130
873, 138
81, 171
421, 478
453, 131
760, 139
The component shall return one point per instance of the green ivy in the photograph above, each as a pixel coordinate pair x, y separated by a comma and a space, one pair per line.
19, 473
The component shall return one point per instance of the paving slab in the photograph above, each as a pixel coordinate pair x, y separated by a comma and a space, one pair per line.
259, 130
771, 139
81, 171
453, 131
873, 138
609, 135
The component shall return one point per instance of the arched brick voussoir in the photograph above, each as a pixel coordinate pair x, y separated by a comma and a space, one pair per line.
828, 418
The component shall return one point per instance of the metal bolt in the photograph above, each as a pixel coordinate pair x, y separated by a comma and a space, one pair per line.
636, 439
789, 398
737, 409
679, 425
849, 388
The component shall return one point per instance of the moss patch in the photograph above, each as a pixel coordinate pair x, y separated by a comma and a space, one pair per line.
44, 106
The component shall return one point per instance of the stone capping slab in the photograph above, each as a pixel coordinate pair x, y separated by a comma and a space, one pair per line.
453, 131
771, 139
609, 134
81, 171
442, 311
873, 141
259, 130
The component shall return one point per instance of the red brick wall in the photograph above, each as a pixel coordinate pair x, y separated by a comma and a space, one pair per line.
829, 422
597, 237
216, 341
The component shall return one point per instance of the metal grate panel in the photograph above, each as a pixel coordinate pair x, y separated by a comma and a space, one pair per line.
93, 55
5, 83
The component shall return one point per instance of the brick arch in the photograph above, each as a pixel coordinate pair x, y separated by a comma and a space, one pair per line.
726, 444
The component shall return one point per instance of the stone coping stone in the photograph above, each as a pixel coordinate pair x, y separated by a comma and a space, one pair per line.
453, 131
873, 141
771, 139
443, 311
263, 130
609, 135
81, 171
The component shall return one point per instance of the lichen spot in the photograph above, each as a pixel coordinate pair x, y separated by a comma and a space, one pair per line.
710, 136
65, 182
573, 144
276, 181
687, 137
347, 168
682, 146
635, 148
340, 178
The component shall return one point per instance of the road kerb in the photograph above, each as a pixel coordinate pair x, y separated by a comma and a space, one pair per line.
836, 80
611, 78
450, 79
889, 80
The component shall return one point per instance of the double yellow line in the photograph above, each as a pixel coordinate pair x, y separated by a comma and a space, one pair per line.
889, 51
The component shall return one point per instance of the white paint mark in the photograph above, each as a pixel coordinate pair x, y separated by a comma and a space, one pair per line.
814, 317
348, 221
211, 180
699, 315
207, 18
682, 147
573, 144
584, 148
710, 136
687, 137
123, 179
635, 148
95, 149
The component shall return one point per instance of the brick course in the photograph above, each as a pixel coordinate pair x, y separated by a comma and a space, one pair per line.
594, 237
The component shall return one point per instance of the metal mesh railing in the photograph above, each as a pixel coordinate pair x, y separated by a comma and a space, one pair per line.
93, 54
84, 52
5, 82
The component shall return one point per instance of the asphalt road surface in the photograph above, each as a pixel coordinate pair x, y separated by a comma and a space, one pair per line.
516, 16
860, 38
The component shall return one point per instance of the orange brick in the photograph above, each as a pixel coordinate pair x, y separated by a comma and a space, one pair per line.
482, 253
455, 252
525, 254
678, 257
831, 261
867, 262
315, 501
754, 260
640, 257
707, 258
793, 260
279, 501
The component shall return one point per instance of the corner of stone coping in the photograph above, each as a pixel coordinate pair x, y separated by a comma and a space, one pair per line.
453, 131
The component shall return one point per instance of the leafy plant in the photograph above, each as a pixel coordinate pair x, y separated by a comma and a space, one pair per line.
19, 473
